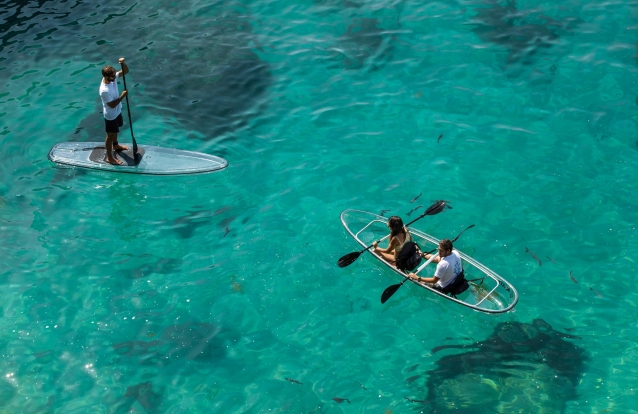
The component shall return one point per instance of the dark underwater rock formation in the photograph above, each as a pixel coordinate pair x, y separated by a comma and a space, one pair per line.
519, 368
523, 33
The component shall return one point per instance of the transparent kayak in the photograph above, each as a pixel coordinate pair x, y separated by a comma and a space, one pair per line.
149, 160
488, 292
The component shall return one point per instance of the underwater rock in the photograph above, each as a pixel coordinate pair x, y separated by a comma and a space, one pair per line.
519, 368
144, 395
522, 33
369, 40
203, 72
362, 40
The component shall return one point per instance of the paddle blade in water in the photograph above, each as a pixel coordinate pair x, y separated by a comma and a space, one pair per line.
391, 290
348, 259
436, 208
459, 235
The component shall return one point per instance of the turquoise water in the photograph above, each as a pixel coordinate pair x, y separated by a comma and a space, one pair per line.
124, 293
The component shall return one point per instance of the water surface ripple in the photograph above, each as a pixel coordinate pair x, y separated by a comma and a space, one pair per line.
220, 292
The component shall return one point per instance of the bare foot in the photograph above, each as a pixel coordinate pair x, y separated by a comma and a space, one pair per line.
119, 147
113, 161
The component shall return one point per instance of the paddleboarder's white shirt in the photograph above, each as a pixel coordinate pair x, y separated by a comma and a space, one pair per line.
109, 93
448, 268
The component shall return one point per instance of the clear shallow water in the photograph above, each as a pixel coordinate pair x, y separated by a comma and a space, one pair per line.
204, 293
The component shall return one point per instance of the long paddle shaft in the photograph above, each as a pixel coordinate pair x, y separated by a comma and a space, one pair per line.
128, 108
391, 290
435, 208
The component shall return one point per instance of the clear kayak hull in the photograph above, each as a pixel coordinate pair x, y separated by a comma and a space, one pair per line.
488, 292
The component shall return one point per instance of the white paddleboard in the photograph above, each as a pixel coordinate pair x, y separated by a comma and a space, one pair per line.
149, 159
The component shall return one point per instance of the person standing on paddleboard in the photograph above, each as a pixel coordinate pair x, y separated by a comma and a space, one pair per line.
112, 109
448, 268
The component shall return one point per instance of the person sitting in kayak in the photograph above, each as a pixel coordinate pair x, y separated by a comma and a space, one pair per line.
447, 269
399, 236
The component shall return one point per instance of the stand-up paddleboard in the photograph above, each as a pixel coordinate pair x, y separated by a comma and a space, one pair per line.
149, 160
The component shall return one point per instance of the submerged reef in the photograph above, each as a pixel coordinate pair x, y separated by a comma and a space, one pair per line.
520, 367
522, 32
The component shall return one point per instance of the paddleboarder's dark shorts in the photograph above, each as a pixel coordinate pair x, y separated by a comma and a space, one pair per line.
115, 124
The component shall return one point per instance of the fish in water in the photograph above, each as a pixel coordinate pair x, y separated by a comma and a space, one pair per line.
415, 198
383, 212
533, 255
440, 136
361, 385
340, 400
227, 231
412, 379
413, 367
416, 401
186, 225
551, 259
294, 381
414, 209
572, 277
236, 286
592, 289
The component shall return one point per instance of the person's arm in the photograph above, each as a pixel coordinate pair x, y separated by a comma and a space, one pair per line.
419, 279
427, 256
116, 102
124, 70
388, 249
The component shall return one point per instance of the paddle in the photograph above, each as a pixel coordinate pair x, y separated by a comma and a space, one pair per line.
128, 108
435, 208
391, 290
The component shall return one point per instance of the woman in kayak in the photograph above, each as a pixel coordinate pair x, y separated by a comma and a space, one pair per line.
399, 235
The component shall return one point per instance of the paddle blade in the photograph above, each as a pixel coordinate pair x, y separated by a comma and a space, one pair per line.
435, 208
348, 259
391, 290
467, 228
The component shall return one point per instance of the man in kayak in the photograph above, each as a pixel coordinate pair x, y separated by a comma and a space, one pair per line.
112, 109
448, 268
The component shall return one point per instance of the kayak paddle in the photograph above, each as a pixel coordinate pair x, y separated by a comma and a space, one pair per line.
435, 208
128, 108
391, 290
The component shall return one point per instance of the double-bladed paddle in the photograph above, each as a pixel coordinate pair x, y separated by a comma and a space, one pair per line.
435, 208
391, 290
128, 108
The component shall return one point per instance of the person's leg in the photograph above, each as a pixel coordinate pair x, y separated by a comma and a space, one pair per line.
116, 145
427, 256
111, 137
388, 257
